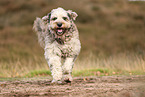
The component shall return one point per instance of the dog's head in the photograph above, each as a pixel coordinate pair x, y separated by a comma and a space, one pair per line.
60, 20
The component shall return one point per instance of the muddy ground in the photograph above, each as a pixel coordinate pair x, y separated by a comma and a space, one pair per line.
106, 86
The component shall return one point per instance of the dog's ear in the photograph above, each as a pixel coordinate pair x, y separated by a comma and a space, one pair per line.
72, 14
46, 18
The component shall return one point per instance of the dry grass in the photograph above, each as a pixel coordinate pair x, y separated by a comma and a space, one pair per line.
122, 62
20, 67
91, 65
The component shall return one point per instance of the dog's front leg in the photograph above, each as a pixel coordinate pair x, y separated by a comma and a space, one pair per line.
54, 63
67, 69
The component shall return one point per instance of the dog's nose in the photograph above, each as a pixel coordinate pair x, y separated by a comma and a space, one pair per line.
59, 24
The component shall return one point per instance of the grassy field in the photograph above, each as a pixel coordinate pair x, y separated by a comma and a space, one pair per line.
122, 64
112, 34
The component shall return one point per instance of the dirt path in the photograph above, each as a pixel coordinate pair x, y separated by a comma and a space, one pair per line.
106, 86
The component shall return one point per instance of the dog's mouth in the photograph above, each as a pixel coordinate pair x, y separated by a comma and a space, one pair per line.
60, 31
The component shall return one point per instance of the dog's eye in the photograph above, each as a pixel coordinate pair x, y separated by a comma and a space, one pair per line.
54, 18
65, 18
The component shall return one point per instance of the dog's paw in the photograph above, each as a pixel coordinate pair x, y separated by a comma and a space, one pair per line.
67, 78
53, 82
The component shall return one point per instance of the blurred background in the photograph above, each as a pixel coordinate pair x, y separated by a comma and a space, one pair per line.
112, 33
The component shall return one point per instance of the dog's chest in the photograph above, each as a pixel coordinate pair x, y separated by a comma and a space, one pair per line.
66, 51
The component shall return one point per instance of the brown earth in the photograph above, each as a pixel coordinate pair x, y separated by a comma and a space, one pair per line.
106, 86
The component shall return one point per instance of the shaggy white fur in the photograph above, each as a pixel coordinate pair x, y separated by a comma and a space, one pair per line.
59, 37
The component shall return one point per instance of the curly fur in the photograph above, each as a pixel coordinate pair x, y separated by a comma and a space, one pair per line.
67, 48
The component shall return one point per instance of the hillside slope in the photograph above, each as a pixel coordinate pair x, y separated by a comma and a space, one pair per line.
106, 27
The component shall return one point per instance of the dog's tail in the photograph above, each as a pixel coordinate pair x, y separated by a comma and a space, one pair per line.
39, 27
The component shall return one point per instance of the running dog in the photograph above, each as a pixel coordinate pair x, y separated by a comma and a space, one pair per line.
58, 35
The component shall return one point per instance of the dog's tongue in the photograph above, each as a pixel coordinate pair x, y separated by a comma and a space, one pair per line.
59, 30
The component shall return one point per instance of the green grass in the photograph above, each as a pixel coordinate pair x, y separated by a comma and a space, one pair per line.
87, 72
91, 72
36, 73
76, 73
105, 72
